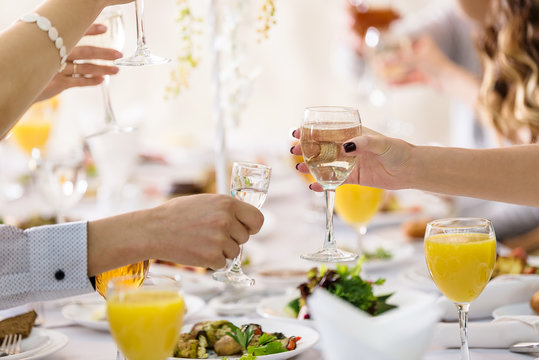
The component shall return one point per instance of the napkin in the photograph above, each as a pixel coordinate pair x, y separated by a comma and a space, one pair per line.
499, 333
402, 333
503, 290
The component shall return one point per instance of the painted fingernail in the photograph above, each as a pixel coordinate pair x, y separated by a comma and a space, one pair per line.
292, 149
294, 133
349, 147
297, 166
311, 186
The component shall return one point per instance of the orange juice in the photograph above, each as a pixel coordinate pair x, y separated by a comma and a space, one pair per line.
145, 323
30, 134
461, 264
357, 204
102, 280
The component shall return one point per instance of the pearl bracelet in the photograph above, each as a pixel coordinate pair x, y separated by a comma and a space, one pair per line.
45, 24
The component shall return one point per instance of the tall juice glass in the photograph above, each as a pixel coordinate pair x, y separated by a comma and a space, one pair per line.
323, 132
145, 321
357, 205
460, 255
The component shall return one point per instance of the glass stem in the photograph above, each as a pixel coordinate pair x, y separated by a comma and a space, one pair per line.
110, 119
361, 231
463, 325
236, 263
329, 243
141, 38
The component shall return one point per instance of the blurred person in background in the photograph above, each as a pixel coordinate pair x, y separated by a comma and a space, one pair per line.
508, 95
446, 53
49, 262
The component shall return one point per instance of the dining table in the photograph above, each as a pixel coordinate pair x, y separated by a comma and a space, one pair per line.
294, 224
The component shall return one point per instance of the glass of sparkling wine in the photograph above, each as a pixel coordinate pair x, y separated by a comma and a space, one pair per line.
113, 38
143, 55
249, 183
323, 132
460, 255
145, 320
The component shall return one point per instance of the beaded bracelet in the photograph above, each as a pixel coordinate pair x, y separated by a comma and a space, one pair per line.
45, 24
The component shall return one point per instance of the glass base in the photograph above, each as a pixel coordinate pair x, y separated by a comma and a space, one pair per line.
142, 60
112, 129
330, 255
233, 278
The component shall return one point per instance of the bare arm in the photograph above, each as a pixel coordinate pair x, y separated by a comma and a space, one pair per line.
200, 230
508, 174
29, 59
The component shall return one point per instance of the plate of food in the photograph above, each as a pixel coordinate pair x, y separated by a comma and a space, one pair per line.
92, 313
342, 281
244, 338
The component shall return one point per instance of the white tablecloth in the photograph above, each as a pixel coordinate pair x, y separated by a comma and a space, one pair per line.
292, 227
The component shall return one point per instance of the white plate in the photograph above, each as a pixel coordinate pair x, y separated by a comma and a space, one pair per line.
401, 252
309, 336
90, 314
192, 283
520, 309
40, 343
274, 308
418, 277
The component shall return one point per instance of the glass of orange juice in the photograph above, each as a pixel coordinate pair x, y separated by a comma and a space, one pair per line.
32, 132
357, 205
145, 321
460, 255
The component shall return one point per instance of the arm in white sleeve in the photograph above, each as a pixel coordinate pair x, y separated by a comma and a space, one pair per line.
43, 263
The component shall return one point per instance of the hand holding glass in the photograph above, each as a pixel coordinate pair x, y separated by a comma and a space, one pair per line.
460, 255
323, 132
249, 183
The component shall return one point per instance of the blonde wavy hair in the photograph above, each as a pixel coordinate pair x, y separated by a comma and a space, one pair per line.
509, 48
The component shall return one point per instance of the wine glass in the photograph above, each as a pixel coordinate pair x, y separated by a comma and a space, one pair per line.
142, 55
249, 183
460, 255
145, 321
62, 178
323, 132
113, 38
32, 132
357, 205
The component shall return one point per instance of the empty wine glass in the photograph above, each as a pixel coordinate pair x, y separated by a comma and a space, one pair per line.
113, 38
62, 179
249, 183
323, 132
143, 55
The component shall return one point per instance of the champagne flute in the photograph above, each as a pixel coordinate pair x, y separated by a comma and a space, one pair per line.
145, 321
357, 205
113, 38
249, 183
143, 55
460, 255
323, 132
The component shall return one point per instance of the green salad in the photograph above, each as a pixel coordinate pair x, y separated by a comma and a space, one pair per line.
344, 282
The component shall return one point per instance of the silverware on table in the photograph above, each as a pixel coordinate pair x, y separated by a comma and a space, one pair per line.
11, 345
525, 347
